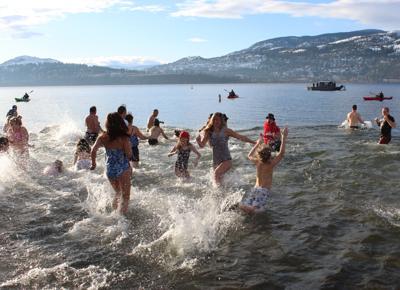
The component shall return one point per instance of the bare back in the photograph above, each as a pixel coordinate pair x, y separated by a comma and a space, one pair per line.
92, 124
264, 174
354, 118
155, 132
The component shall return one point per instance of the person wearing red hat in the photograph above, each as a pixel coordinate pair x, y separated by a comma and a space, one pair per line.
272, 133
183, 149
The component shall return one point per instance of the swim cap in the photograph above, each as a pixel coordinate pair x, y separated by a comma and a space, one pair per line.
184, 134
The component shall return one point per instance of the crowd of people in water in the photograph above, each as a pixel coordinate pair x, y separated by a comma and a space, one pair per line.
120, 139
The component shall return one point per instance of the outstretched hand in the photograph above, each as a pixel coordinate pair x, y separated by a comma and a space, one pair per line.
285, 132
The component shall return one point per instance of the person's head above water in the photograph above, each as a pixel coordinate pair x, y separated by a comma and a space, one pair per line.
385, 111
155, 112
115, 126
58, 165
270, 117
14, 107
156, 122
16, 121
354, 107
4, 144
93, 110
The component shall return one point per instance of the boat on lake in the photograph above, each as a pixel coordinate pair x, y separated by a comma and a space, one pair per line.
326, 86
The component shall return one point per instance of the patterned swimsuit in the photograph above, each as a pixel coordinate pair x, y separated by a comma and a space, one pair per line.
116, 163
181, 163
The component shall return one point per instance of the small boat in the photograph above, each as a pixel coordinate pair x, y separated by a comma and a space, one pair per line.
22, 100
233, 96
326, 86
376, 98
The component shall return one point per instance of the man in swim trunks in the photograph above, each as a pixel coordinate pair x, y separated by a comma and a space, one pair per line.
93, 126
152, 118
386, 124
256, 200
354, 118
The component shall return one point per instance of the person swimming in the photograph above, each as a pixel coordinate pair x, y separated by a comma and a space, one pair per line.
54, 169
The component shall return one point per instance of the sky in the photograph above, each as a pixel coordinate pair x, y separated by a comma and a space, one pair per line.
130, 33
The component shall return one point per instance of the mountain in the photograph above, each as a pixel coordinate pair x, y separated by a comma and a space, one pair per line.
25, 59
357, 56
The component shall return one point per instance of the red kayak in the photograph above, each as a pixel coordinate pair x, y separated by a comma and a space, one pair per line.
377, 98
233, 97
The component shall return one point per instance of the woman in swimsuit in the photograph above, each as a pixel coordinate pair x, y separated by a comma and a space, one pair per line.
134, 135
18, 136
183, 149
217, 134
118, 152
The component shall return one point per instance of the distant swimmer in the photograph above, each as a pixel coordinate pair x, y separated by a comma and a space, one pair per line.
216, 133
155, 132
386, 124
354, 118
12, 112
118, 152
256, 200
93, 127
152, 118
18, 137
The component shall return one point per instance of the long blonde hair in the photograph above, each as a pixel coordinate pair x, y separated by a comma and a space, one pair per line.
209, 127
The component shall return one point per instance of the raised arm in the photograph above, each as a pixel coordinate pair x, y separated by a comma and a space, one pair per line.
281, 153
93, 153
253, 150
236, 135
360, 119
202, 141
163, 134
390, 122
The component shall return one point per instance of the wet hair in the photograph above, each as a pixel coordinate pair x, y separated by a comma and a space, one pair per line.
354, 107
177, 133
121, 109
156, 122
59, 165
3, 143
93, 109
264, 154
210, 124
386, 109
129, 118
83, 146
16, 120
155, 111
115, 126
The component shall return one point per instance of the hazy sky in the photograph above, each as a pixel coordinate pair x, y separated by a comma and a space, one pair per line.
122, 31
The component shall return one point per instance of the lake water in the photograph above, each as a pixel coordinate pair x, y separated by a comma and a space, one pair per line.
333, 220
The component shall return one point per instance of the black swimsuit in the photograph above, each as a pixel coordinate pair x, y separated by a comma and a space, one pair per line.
181, 163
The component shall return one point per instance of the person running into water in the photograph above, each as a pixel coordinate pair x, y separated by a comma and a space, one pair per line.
183, 149
18, 136
256, 200
92, 125
217, 134
386, 124
118, 152
151, 120
82, 158
4, 144
155, 132
134, 135
354, 118
272, 133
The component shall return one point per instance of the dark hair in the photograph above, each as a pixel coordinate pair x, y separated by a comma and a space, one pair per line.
121, 109
115, 126
83, 146
129, 118
93, 109
156, 122
155, 110
354, 107
3, 141
177, 133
